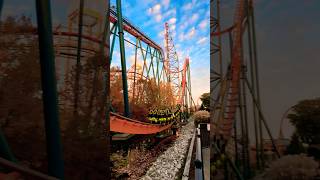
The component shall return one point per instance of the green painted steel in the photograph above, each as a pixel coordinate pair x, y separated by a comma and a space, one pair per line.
123, 61
135, 70
115, 28
49, 88
5, 150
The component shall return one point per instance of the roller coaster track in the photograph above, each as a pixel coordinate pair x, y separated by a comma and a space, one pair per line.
123, 124
126, 125
225, 127
120, 123
230, 109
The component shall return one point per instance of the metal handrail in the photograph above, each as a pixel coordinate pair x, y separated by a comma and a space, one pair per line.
199, 175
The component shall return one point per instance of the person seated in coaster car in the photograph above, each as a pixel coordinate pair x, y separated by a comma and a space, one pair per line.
151, 115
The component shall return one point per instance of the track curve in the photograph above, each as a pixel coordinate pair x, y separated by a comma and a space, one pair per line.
225, 128
122, 124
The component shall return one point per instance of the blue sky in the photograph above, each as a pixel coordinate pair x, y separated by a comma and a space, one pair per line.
189, 25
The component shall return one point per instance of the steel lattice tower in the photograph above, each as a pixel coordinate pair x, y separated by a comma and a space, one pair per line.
172, 62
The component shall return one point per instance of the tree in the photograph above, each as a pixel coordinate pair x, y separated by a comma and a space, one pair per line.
205, 98
306, 119
20, 92
295, 146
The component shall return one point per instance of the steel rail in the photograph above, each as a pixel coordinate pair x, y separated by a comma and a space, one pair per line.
133, 30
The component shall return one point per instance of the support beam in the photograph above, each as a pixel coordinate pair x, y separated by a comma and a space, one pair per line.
253, 80
123, 60
49, 88
78, 64
263, 120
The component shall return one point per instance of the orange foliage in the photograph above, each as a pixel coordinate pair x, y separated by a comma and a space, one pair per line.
148, 94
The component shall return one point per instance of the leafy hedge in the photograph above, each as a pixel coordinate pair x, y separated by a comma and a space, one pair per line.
201, 117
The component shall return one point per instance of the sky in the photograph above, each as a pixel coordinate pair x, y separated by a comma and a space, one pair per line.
188, 22
287, 46
287, 43
189, 27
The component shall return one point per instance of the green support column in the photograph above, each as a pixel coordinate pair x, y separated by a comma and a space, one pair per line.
113, 40
49, 88
135, 71
5, 150
123, 61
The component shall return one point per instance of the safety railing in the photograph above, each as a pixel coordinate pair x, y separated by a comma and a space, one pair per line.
198, 161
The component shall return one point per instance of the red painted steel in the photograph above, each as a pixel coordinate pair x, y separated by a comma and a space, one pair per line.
225, 128
223, 31
184, 80
122, 124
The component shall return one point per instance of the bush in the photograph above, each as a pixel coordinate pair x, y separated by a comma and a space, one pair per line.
293, 167
201, 117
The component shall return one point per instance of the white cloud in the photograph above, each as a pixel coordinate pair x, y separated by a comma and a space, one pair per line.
158, 17
139, 61
166, 3
161, 34
188, 35
194, 18
172, 20
155, 9
202, 40
187, 21
203, 24
170, 13
189, 6
173, 27
191, 33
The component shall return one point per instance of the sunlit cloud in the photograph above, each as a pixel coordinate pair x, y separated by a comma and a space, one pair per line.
188, 35
155, 9
203, 24
172, 21
202, 40
158, 17
170, 13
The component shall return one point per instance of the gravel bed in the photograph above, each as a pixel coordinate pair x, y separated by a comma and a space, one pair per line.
170, 162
